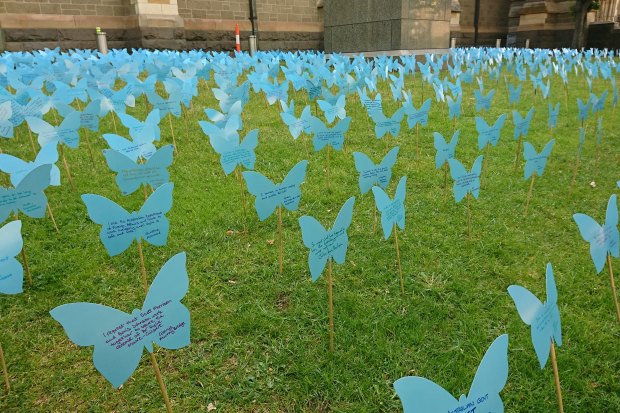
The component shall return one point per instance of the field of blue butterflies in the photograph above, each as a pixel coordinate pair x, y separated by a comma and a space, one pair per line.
301, 232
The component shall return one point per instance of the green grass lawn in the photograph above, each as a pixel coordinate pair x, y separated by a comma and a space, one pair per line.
260, 339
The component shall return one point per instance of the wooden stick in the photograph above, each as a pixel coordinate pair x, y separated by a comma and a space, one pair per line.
49, 210
145, 283
331, 305
64, 161
238, 173
114, 121
34, 150
5, 372
174, 141
374, 222
613, 287
280, 236
417, 140
400, 271
144, 192
160, 380
529, 194
572, 184
468, 218
517, 153
556, 375
328, 166
90, 148
445, 183
25, 259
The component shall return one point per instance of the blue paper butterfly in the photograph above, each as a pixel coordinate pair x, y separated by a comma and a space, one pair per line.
269, 196
553, 115
66, 133
415, 116
536, 162
603, 239
6, 126
483, 102
297, 125
544, 318
28, 196
11, 270
371, 174
333, 111
142, 131
522, 125
454, 106
120, 228
120, 338
465, 182
385, 125
130, 175
18, 169
324, 136
515, 94
445, 151
228, 131
131, 149
420, 395
392, 211
233, 153
324, 244
489, 134
584, 110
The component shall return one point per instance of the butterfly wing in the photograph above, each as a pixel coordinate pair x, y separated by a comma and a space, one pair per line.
383, 201
11, 270
593, 233
457, 171
420, 395
46, 132
128, 171
529, 154
291, 183
32, 200
339, 231
265, 192
48, 155
313, 235
401, 193
164, 296
115, 234
364, 166
491, 377
156, 225
552, 300
14, 166
611, 222
476, 171
88, 324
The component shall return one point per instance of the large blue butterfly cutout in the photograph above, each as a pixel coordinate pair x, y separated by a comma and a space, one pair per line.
464, 181
384, 125
324, 136
544, 318
130, 175
392, 210
269, 196
445, 151
28, 196
66, 133
489, 134
420, 395
18, 169
337, 110
603, 239
536, 162
371, 174
483, 102
233, 153
119, 338
417, 116
324, 244
522, 124
120, 228
131, 149
142, 131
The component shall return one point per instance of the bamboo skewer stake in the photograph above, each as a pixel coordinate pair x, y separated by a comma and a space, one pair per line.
280, 236
34, 150
445, 183
67, 170
400, 270
114, 121
174, 141
90, 148
417, 140
613, 287
556, 376
162, 385
5, 372
49, 210
331, 305
529, 194
517, 152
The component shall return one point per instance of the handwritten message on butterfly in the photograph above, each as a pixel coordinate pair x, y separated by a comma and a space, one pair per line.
11, 270
120, 338
28, 196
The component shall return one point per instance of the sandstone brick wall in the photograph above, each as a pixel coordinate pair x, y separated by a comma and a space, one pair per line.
268, 10
68, 7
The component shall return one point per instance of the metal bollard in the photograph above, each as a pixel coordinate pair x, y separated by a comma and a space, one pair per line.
453, 43
252, 41
527, 43
498, 43
102, 41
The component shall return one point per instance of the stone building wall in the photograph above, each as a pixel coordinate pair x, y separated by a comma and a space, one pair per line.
268, 10
68, 7
492, 23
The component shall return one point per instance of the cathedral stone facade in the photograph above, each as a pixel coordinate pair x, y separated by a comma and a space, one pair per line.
331, 25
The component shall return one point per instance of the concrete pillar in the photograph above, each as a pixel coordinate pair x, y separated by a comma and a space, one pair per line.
160, 24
